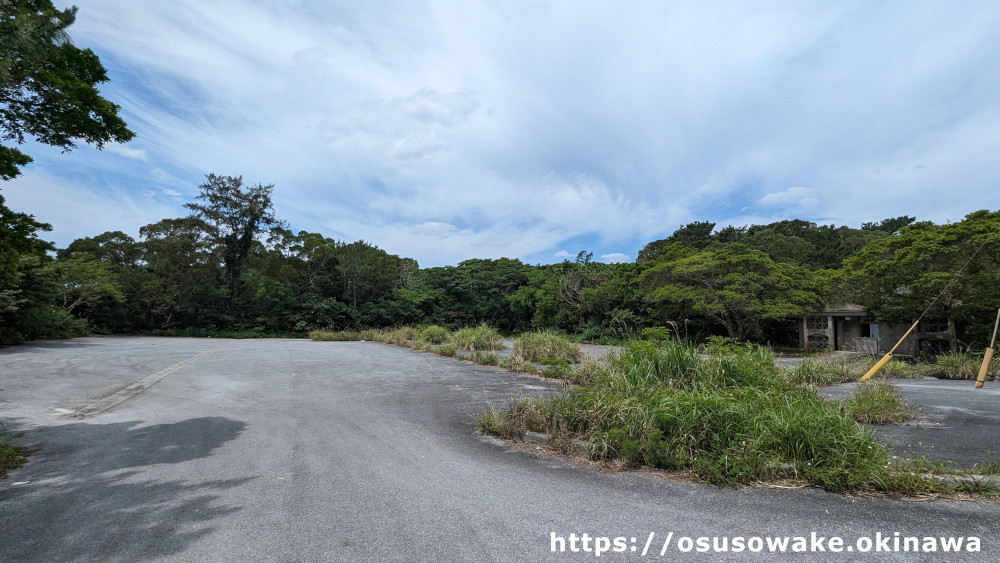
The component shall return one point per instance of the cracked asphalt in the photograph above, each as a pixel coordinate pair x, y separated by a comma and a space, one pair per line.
291, 450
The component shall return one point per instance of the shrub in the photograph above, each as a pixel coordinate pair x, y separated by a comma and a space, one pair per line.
656, 334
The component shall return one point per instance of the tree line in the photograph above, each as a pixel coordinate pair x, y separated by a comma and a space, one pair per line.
232, 266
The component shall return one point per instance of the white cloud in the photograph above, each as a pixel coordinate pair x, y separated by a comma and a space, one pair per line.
75, 210
797, 196
615, 258
127, 152
450, 130
563, 254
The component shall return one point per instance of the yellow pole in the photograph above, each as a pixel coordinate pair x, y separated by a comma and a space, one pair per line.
885, 359
988, 356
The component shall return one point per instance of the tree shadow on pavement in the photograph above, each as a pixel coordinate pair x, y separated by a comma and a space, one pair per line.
85, 496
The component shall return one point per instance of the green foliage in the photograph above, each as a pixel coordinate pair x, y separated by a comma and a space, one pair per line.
557, 368
447, 349
891, 225
540, 346
435, 334
401, 336
476, 292
12, 456
232, 266
234, 215
877, 402
737, 286
480, 338
991, 467
656, 334
337, 336
48, 87
191, 332
31, 284
830, 370
485, 358
729, 419
898, 277
958, 364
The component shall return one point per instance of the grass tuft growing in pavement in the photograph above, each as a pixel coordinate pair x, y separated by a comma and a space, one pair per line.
538, 347
346, 335
435, 334
877, 402
956, 365
482, 338
11, 455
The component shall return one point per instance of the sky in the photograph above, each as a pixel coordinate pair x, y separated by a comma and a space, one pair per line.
450, 130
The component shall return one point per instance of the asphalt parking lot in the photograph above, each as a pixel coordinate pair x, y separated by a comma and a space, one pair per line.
954, 422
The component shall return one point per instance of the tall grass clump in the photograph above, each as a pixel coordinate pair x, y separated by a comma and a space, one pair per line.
877, 402
481, 338
401, 336
541, 346
729, 419
960, 364
839, 368
334, 336
435, 334
347, 335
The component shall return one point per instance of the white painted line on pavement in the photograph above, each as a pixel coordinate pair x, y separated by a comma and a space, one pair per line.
134, 389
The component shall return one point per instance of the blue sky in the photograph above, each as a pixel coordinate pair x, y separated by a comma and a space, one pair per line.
450, 130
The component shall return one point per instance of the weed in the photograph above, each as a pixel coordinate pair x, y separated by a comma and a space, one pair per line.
435, 334
729, 419
331, 336
956, 365
877, 402
11, 455
830, 370
540, 346
485, 358
347, 335
499, 422
401, 337
448, 349
556, 368
517, 364
481, 338
991, 467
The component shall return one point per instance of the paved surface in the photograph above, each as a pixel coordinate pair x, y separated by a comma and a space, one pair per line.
290, 450
954, 421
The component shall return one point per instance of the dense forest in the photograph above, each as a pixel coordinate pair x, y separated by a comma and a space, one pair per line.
232, 267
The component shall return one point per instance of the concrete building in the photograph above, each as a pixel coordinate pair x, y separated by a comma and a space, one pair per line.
848, 328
